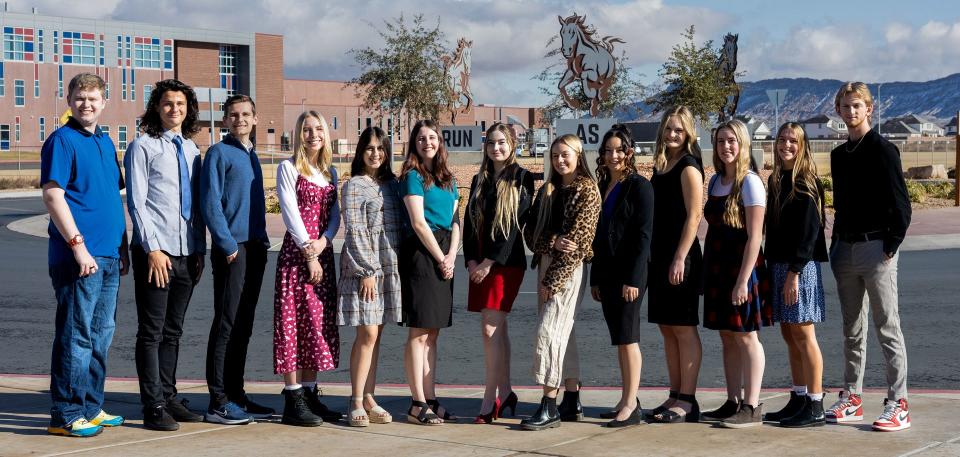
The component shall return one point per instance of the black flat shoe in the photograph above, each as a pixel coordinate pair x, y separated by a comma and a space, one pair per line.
613, 412
635, 418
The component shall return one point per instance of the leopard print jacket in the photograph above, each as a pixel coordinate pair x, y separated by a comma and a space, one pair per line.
580, 215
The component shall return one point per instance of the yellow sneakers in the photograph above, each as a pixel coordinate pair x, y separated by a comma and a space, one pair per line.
107, 420
80, 428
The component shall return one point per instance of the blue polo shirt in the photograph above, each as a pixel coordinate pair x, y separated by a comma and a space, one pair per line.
85, 166
437, 201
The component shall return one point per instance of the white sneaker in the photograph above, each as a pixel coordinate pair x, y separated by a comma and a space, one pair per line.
846, 409
895, 416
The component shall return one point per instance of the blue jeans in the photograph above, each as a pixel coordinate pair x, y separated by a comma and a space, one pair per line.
86, 313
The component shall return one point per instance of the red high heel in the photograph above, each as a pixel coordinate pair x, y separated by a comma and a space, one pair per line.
488, 418
510, 402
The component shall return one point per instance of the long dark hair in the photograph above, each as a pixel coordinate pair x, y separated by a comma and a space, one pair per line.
359, 168
441, 174
617, 131
507, 192
151, 123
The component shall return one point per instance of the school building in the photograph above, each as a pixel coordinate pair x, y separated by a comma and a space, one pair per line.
41, 53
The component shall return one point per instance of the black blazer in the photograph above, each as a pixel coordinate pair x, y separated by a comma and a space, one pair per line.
504, 250
627, 238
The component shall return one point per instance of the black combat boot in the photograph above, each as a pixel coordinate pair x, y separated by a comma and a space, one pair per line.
792, 407
296, 411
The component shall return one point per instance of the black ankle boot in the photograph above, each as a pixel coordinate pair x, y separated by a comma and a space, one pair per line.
545, 417
296, 411
792, 407
318, 408
570, 409
810, 415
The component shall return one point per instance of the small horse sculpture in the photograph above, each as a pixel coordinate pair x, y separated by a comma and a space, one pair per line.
456, 69
727, 64
588, 60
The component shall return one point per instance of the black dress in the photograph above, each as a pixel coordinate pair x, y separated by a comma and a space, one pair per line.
622, 254
673, 304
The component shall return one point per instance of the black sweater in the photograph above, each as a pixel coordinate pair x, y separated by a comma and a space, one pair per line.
504, 250
628, 236
869, 193
794, 230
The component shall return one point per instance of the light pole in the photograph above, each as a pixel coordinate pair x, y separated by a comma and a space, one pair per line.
879, 109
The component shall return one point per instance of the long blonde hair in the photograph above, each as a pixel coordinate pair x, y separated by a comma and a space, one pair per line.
505, 215
804, 172
683, 114
552, 181
733, 214
300, 158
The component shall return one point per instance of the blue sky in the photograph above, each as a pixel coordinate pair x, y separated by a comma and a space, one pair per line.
876, 41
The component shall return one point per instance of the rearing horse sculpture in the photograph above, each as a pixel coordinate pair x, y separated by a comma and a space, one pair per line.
456, 68
727, 64
589, 60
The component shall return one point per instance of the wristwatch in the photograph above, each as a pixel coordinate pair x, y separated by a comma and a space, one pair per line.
76, 240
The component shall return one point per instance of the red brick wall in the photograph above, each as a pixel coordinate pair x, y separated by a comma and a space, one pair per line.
269, 87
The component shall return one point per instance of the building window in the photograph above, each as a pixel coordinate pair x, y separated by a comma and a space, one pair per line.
334, 122
56, 46
59, 81
16, 128
43, 129
79, 48
136, 129
36, 88
17, 43
40, 45
123, 84
105, 129
5, 137
18, 92
358, 126
228, 68
168, 54
147, 90
2, 84
147, 52
122, 137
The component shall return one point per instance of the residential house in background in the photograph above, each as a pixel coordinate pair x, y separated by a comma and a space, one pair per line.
951, 128
897, 128
824, 126
758, 129
925, 125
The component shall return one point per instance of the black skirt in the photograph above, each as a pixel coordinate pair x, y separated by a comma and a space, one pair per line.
622, 317
427, 298
675, 304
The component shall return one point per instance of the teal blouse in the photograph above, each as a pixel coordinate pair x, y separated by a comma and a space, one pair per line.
438, 202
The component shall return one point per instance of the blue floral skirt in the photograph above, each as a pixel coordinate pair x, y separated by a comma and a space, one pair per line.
810, 305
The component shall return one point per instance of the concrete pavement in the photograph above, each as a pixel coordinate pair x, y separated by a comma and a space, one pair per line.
24, 418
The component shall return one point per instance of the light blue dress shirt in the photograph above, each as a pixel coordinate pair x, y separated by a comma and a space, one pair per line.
153, 195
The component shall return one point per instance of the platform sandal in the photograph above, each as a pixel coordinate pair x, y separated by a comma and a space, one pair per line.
424, 417
359, 417
670, 416
446, 415
377, 414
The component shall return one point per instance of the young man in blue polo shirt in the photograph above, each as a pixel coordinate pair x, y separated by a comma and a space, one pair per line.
169, 240
233, 207
81, 183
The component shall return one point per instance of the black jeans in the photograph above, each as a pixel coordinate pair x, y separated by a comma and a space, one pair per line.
160, 313
236, 289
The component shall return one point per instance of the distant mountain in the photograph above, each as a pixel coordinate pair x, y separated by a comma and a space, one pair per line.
939, 98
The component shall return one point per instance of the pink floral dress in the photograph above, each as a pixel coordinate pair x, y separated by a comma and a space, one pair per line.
305, 334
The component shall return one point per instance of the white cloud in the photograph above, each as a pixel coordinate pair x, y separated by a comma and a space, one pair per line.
866, 52
510, 36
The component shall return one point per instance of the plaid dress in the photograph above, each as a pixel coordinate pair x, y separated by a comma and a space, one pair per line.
373, 220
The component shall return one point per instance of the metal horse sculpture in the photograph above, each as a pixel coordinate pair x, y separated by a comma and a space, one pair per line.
588, 59
456, 69
727, 64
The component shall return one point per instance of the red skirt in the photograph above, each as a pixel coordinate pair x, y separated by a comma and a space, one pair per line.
497, 291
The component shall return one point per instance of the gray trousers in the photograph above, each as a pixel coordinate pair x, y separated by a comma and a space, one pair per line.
858, 268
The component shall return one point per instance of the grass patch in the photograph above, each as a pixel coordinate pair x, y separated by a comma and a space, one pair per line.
19, 182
